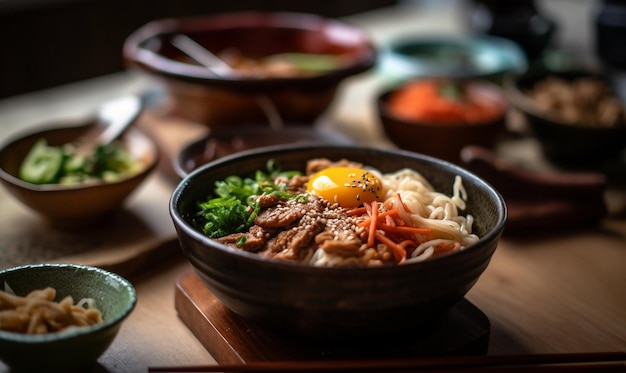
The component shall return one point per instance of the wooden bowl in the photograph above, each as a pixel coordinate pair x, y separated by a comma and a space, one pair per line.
201, 95
329, 302
79, 205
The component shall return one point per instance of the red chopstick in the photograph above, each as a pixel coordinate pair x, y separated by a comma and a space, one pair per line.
604, 362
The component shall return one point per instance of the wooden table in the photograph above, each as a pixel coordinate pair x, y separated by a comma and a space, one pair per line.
564, 293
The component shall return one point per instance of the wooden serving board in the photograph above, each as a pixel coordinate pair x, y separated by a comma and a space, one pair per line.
232, 339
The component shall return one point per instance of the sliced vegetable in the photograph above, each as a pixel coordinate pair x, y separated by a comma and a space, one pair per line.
232, 208
46, 164
42, 164
308, 61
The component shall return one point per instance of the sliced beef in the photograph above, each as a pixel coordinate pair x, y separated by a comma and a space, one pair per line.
346, 247
268, 200
255, 239
289, 244
287, 214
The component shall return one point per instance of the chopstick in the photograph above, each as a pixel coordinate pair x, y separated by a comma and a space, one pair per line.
216, 65
570, 362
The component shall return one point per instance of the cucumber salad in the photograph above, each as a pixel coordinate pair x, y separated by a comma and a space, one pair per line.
47, 164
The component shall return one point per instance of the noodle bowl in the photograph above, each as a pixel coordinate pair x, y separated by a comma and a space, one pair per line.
348, 300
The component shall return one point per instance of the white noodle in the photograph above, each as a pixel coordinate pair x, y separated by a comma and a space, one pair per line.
427, 209
432, 209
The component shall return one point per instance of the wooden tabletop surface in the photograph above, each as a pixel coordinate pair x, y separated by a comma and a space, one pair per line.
560, 293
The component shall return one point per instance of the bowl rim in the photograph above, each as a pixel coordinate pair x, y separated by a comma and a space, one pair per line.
52, 188
383, 109
181, 223
135, 54
314, 135
516, 62
80, 331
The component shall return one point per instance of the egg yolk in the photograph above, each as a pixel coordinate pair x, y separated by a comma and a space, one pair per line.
347, 186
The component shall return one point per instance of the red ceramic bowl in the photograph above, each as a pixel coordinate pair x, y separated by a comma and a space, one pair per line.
200, 94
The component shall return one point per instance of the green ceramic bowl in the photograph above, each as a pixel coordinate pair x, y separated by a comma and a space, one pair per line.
73, 350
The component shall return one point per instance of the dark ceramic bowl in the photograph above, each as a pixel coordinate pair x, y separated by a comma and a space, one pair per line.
233, 140
72, 206
73, 350
561, 142
219, 99
444, 140
329, 301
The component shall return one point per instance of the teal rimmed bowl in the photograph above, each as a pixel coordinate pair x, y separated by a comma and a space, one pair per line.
447, 56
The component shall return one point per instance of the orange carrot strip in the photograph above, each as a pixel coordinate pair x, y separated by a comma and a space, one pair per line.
373, 223
356, 211
388, 212
405, 229
364, 223
406, 243
404, 206
441, 249
398, 252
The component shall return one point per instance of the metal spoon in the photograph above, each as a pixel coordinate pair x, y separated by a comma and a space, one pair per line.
113, 119
217, 66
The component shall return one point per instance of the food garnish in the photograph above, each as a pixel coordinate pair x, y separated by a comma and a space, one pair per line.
233, 209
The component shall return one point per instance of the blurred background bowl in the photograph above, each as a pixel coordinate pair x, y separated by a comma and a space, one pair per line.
72, 350
222, 142
480, 57
79, 205
442, 134
568, 132
330, 301
202, 96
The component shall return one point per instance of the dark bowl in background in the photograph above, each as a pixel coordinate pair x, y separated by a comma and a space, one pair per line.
201, 96
561, 142
328, 302
440, 140
223, 142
